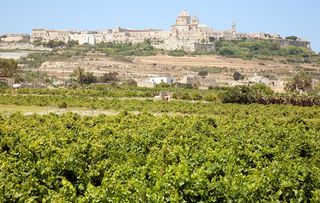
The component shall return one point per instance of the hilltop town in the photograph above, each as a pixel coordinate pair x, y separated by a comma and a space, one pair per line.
148, 66
186, 34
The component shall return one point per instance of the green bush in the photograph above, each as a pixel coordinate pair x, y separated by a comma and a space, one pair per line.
177, 53
62, 105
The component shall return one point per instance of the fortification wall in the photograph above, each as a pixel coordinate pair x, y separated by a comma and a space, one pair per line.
298, 43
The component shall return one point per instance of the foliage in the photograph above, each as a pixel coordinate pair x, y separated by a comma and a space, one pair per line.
35, 60
177, 53
292, 38
3, 86
248, 95
240, 95
203, 73
209, 69
54, 44
263, 49
239, 157
262, 88
109, 77
227, 51
89, 78
8, 67
295, 51
126, 49
72, 43
130, 82
84, 77
301, 82
237, 76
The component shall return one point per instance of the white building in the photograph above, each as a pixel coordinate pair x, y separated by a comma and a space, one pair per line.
158, 80
83, 38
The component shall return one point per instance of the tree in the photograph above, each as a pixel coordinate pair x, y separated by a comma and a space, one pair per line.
8, 67
203, 73
55, 44
202, 41
225, 51
238, 76
292, 38
110, 77
84, 77
72, 43
301, 82
262, 88
89, 78
130, 82
78, 73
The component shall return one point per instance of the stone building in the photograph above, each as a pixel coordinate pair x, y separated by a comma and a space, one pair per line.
186, 34
83, 38
44, 35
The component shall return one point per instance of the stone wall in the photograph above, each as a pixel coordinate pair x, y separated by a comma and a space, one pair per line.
198, 47
297, 43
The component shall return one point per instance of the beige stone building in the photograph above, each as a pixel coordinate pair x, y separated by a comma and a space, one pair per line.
186, 34
48, 35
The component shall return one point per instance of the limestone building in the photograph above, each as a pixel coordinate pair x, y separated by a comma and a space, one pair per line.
186, 34
45, 35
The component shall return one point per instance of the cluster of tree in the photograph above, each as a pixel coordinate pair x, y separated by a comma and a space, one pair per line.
177, 53
261, 94
84, 77
8, 67
263, 49
301, 82
203, 73
294, 38
127, 49
51, 44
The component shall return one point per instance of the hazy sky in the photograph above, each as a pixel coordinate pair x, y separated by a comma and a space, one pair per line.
285, 17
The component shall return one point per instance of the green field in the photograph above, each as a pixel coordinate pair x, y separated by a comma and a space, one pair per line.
154, 151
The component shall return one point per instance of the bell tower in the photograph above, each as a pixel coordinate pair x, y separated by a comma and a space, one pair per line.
184, 18
234, 27
195, 21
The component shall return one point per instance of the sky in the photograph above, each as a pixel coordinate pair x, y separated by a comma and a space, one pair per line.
285, 17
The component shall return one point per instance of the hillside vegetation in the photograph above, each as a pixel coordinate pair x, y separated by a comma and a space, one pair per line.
257, 49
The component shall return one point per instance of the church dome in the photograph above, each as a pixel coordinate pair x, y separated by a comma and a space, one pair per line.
184, 13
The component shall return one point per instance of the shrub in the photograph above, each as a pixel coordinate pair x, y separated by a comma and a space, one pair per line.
239, 94
177, 53
62, 105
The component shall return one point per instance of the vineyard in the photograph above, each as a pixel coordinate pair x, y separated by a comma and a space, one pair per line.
140, 158
157, 151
